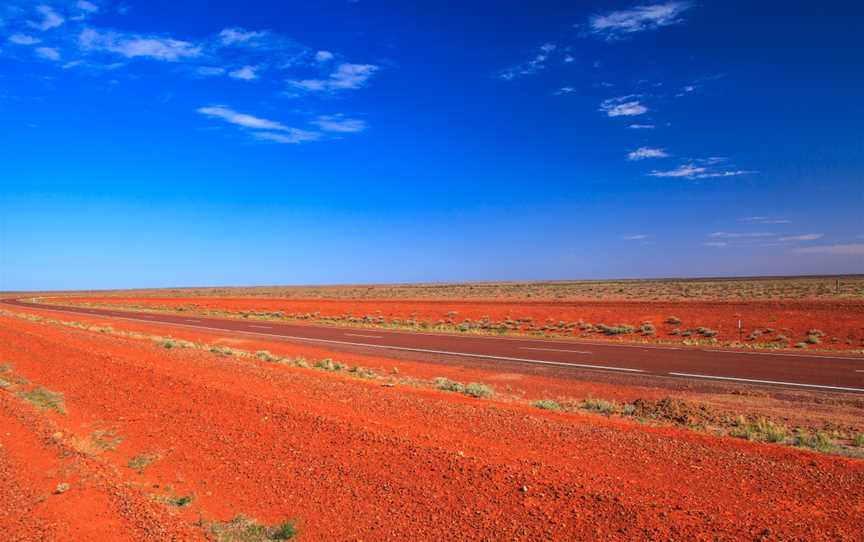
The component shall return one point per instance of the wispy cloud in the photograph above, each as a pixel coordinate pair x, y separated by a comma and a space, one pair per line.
804, 237
565, 90
134, 46
235, 36
646, 152
764, 220
324, 56
619, 24
338, 123
24, 39
693, 171
89, 7
50, 18
241, 119
246, 73
641, 127
850, 249
636, 237
739, 235
623, 106
537, 63
48, 53
346, 76
291, 135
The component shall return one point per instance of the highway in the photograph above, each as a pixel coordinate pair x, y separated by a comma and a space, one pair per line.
822, 371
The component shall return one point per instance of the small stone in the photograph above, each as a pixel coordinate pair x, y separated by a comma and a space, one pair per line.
524, 489
57, 436
62, 487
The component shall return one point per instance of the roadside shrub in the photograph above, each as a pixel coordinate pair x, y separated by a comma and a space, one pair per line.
243, 529
858, 440
266, 356
599, 405
673, 320
547, 404
647, 328
45, 399
475, 389
472, 389
816, 441
328, 364
813, 339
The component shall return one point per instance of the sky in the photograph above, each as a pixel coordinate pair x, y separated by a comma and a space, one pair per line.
159, 143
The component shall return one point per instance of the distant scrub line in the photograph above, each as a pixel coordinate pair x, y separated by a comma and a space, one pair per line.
665, 411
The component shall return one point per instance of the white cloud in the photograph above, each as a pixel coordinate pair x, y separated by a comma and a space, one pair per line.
323, 56
346, 76
538, 62
637, 237
565, 90
246, 73
264, 129
717, 244
734, 173
623, 106
804, 237
338, 123
241, 119
89, 7
692, 171
851, 249
239, 36
687, 171
764, 220
292, 135
50, 18
209, 71
23, 39
646, 152
641, 127
618, 24
48, 53
739, 235
133, 46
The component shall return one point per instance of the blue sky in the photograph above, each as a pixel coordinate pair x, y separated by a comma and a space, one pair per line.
273, 142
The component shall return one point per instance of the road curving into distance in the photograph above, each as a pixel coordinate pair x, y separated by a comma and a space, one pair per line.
795, 370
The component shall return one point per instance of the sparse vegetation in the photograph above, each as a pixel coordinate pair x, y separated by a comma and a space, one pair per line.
817, 440
45, 399
547, 404
142, 461
472, 389
243, 529
761, 430
599, 405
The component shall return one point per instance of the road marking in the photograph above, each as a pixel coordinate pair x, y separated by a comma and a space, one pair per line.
384, 346
555, 350
809, 356
859, 371
261, 327
753, 380
196, 321
359, 335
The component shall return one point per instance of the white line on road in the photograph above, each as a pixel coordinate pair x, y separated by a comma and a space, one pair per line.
261, 327
554, 350
196, 321
808, 356
710, 377
359, 335
384, 346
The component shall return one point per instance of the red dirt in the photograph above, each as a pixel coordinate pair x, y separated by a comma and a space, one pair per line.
353, 460
841, 321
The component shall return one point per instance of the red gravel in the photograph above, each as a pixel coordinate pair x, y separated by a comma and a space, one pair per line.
356, 461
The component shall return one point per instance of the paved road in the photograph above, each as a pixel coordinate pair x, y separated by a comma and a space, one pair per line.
804, 370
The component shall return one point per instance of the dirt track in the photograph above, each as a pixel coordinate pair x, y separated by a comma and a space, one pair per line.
353, 460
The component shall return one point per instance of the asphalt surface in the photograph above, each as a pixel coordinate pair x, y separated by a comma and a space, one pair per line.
804, 371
